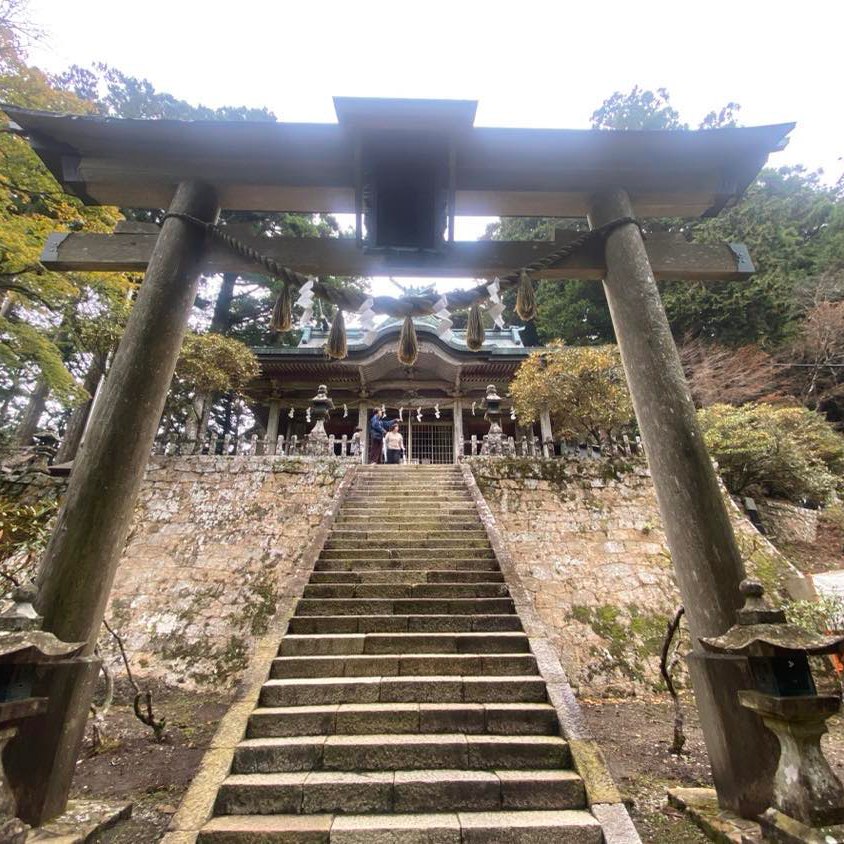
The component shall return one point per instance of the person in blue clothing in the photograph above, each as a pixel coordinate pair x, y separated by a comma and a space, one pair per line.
378, 426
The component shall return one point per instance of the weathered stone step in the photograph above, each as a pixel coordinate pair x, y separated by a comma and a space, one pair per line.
392, 643
363, 718
412, 520
404, 665
403, 606
406, 590
448, 689
397, 751
412, 576
560, 827
426, 542
432, 506
378, 533
404, 623
405, 495
464, 558
341, 792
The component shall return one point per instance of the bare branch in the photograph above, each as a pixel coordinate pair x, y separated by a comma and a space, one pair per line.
148, 717
679, 739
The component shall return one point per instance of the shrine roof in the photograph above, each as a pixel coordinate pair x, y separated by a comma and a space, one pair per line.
503, 343
309, 167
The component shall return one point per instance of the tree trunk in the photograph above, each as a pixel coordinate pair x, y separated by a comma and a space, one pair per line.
33, 413
79, 417
221, 322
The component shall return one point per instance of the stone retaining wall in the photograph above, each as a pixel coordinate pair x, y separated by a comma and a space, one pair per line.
786, 522
587, 540
212, 540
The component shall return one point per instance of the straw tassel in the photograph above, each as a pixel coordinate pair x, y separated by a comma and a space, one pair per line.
282, 318
525, 298
408, 344
336, 345
475, 328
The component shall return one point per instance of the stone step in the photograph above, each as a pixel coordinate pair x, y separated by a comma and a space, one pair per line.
412, 576
477, 559
560, 827
406, 590
399, 751
341, 792
378, 532
429, 508
379, 516
317, 691
427, 543
433, 482
402, 665
428, 503
410, 491
363, 718
403, 643
404, 623
403, 606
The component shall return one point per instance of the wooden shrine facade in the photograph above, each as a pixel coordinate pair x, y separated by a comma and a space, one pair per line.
439, 397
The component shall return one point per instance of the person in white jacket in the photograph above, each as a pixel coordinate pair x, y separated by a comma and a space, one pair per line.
395, 444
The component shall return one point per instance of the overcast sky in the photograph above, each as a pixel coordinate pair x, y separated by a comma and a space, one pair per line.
529, 64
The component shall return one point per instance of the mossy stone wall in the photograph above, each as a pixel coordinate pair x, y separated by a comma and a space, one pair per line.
213, 540
587, 540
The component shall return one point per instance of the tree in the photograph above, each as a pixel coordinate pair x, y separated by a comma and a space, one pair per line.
37, 344
718, 374
793, 226
583, 388
785, 452
208, 364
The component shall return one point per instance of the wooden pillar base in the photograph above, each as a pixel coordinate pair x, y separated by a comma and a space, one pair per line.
742, 753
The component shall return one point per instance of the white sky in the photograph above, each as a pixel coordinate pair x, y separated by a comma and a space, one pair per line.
529, 63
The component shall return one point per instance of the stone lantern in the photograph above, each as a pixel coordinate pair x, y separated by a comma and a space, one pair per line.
807, 794
26, 653
321, 404
494, 440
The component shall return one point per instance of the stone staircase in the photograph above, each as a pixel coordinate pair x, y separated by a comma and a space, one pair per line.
405, 705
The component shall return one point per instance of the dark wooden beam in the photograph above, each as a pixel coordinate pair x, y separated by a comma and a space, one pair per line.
671, 256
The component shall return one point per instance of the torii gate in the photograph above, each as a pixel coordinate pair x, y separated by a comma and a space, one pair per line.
406, 168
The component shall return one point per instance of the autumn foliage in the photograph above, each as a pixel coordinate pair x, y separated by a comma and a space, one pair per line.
583, 387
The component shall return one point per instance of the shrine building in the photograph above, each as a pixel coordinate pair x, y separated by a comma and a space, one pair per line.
440, 396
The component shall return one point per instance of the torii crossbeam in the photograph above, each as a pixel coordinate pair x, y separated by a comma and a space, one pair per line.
406, 169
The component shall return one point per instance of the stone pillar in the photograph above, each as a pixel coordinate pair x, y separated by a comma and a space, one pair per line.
703, 548
272, 425
81, 559
458, 429
546, 432
363, 424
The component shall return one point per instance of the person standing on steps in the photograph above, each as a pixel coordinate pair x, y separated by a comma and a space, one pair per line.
377, 428
395, 444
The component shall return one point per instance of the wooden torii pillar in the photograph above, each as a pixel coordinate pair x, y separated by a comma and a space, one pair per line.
706, 558
303, 167
79, 565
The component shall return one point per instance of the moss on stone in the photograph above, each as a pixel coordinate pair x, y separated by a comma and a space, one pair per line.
632, 637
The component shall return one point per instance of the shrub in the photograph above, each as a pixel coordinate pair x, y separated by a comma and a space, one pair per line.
782, 452
582, 386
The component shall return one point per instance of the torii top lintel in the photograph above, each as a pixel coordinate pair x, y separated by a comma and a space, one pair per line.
309, 167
